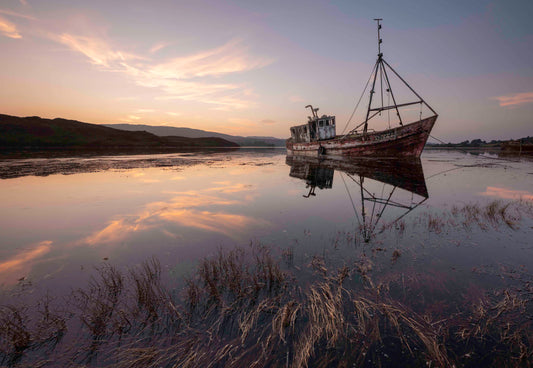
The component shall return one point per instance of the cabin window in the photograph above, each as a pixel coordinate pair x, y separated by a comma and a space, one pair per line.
321, 123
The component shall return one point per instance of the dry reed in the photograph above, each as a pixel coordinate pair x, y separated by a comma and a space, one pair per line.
240, 308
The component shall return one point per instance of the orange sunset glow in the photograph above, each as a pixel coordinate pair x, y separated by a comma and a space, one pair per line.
249, 68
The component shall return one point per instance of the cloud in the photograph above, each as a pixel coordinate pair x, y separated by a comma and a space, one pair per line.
171, 113
515, 99
187, 78
96, 49
158, 46
506, 193
15, 14
8, 29
268, 121
228, 58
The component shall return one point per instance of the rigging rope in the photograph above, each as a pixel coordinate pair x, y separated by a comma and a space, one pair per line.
351, 200
357, 105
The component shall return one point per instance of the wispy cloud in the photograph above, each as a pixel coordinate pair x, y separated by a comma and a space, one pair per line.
8, 29
158, 46
15, 14
515, 99
187, 78
506, 193
268, 121
229, 58
131, 118
96, 49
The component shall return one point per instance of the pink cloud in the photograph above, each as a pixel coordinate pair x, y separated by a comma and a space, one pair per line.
8, 29
507, 193
515, 99
181, 78
15, 14
158, 46
96, 49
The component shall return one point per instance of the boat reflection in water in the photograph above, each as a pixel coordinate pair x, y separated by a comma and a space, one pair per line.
365, 174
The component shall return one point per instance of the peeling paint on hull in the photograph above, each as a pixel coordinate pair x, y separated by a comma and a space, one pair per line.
405, 141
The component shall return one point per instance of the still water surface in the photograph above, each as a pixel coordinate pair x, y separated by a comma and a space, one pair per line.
62, 217
267, 259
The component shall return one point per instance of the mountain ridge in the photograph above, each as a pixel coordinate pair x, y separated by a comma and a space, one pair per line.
36, 133
162, 130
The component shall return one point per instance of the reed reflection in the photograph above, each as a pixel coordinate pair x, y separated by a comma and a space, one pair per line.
365, 174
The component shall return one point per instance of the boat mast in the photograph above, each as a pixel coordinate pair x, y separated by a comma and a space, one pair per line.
382, 72
381, 68
375, 72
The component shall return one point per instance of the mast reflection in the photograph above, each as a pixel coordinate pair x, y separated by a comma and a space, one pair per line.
394, 174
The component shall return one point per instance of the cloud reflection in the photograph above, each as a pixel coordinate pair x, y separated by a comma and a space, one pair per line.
21, 264
192, 209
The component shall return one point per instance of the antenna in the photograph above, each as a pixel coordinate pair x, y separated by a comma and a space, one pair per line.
379, 36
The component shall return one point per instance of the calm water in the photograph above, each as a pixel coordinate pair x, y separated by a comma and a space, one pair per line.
432, 220
182, 207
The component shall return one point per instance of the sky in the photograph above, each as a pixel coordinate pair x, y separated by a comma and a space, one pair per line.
247, 67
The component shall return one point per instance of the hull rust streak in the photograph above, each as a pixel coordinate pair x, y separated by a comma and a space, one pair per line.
404, 141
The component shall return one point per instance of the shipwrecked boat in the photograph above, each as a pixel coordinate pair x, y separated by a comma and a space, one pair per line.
318, 136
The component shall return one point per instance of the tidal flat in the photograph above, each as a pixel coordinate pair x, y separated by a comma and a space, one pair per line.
251, 258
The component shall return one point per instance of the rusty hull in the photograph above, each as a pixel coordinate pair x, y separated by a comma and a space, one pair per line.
405, 141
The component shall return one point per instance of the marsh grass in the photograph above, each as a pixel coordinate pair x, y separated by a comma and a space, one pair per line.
251, 307
22, 332
240, 309
491, 215
494, 213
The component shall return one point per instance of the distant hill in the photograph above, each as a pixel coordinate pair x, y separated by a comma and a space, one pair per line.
197, 133
479, 143
35, 133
